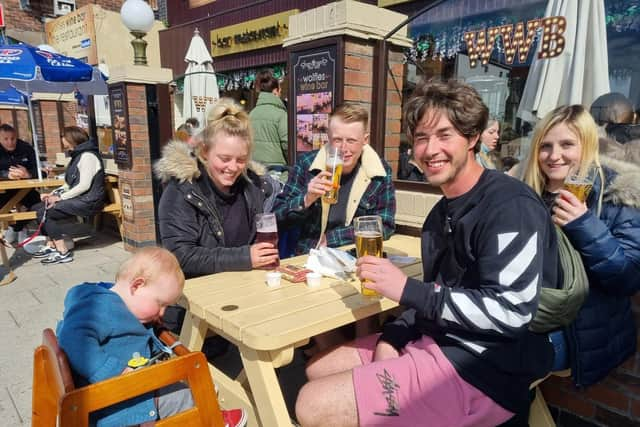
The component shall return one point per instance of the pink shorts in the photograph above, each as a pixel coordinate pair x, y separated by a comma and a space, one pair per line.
420, 387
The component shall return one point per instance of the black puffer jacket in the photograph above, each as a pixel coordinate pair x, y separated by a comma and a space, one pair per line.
191, 225
91, 201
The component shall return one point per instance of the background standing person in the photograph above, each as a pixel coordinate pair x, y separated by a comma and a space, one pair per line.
605, 230
461, 355
207, 210
489, 138
366, 186
82, 194
17, 161
269, 122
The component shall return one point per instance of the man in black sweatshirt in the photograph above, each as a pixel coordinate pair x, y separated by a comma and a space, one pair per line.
461, 354
17, 161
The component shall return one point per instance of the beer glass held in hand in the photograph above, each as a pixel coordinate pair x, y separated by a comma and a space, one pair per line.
267, 231
580, 182
334, 167
368, 232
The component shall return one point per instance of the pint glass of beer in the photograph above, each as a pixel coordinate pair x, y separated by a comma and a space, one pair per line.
267, 231
334, 167
580, 182
368, 231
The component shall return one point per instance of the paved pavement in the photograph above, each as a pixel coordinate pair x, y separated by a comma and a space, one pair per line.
32, 303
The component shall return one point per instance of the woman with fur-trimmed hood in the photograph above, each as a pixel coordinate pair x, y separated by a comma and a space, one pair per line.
207, 210
605, 230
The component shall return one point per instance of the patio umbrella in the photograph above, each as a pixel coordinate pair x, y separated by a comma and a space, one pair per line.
12, 97
580, 73
30, 70
200, 83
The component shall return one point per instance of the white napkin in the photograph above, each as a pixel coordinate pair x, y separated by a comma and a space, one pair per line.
331, 262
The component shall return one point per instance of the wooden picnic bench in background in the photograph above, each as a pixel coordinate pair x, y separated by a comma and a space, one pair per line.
113, 207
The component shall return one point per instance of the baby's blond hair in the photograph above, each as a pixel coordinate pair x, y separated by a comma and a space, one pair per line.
149, 263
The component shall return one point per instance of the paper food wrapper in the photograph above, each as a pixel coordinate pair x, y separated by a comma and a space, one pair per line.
331, 262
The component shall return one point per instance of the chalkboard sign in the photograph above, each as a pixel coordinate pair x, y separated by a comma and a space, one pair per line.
120, 125
314, 95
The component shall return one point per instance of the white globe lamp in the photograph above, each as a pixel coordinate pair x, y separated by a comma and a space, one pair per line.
138, 17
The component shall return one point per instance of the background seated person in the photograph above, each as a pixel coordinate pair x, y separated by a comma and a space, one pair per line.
82, 194
461, 354
207, 210
604, 229
408, 168
366, 186
17, 161
489, 138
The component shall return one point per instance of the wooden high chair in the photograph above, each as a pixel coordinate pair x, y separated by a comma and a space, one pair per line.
56, 401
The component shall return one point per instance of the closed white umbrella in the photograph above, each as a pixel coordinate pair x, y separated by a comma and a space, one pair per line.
200, 83
580, 73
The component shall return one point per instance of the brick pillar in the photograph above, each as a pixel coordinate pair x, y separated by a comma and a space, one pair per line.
140, 229
22, 125
393, 121
146, 101
362, 28
51, 129
358, 71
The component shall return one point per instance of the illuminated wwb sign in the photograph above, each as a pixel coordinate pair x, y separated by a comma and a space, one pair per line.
480, 44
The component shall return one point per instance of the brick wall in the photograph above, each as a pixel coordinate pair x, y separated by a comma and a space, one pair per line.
25, 20
615, 401
141, 231
393, 114
51, 128
18, 19
358, 87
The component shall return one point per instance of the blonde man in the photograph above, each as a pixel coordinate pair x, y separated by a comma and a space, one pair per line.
366, 186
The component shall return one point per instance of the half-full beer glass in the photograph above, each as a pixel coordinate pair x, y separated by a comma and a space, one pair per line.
267, 231
580, 182
368, 231
334, 167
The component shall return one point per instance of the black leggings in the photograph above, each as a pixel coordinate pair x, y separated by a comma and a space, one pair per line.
52, 226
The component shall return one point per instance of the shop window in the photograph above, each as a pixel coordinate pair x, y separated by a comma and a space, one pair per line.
520, 79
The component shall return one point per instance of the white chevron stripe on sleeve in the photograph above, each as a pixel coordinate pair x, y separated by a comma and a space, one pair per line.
472, 312
520, 263
504, 239
504, 316
525, 295
473, 346
448, 315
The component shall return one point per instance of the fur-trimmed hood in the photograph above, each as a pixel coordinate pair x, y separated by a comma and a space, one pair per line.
621, 182
179, 162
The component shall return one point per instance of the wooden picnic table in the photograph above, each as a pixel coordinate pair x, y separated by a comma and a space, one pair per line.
24, 186
267, 324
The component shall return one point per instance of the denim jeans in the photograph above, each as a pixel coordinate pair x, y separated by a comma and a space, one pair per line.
561, 358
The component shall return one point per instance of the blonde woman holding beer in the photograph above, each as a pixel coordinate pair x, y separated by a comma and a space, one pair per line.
213, 194
604, 228
343, 180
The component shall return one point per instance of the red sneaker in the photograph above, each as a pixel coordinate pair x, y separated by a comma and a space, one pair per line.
235, 418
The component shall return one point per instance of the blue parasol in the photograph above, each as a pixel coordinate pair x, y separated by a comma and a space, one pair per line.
12, 97
30, 70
